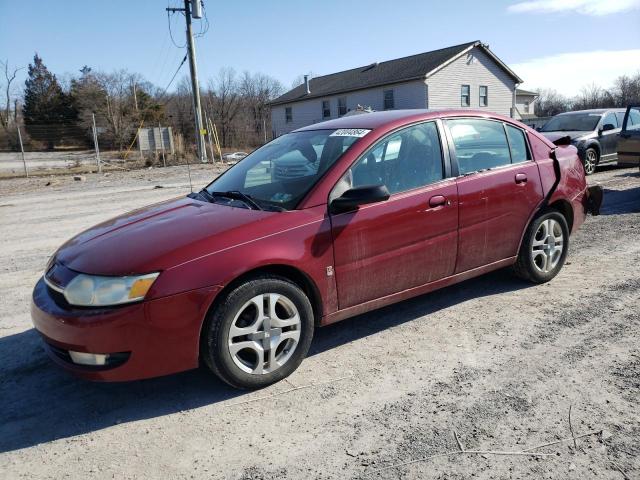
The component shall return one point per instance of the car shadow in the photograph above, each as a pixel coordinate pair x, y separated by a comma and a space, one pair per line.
41, 403
620, 202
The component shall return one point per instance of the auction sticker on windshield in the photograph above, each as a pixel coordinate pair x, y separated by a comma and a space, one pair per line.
350, 132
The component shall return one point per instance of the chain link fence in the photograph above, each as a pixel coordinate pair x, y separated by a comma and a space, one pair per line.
56, 149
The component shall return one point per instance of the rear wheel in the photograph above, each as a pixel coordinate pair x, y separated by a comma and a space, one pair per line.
544, 248
259, 333
590, 160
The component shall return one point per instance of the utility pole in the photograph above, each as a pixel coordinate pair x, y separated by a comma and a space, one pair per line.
193, 69
135, 95
95, 142
24, 162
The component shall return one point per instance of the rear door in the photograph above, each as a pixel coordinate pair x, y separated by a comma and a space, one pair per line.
408, 240
499, 187
629, 142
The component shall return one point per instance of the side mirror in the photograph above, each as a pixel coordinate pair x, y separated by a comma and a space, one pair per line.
354, 197
606, 127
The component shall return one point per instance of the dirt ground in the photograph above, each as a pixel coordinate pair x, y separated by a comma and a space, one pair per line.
497, 360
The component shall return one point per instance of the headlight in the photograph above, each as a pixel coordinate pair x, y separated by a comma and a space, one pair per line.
94, 291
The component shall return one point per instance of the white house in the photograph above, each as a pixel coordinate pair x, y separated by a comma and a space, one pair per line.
525, 104
463, 76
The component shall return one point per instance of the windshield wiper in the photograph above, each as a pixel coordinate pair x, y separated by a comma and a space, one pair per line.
236, 195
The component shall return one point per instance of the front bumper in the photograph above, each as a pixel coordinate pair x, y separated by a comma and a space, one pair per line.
151, 338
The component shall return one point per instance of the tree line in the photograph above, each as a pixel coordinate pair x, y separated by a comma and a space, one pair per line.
60, 114
625, 91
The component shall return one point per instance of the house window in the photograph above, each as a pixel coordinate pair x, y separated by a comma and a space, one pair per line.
526, 107
465, 96
326, 109
388, 100
426, 96
288, 115
342, 106
484, 95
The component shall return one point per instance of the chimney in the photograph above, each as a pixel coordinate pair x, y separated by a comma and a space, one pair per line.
306, 84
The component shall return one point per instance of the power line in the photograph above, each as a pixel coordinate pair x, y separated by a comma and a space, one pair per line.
172, 78
169, 23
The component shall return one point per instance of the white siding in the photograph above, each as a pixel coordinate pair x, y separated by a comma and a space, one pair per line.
520, 100
405, 95
443, 92
444, 85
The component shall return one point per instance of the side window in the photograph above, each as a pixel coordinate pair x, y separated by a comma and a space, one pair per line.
465, 95
389, 103
610, 119
484, 96
408, 159
518, 144
326, 109
620, 118
342, 106
479, 144
633, 120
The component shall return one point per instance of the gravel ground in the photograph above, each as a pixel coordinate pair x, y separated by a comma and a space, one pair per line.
498, 361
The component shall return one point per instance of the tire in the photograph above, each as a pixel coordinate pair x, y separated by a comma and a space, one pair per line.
539, 259
590, 160
250, 350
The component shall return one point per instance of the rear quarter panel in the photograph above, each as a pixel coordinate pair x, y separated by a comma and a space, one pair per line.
572, 184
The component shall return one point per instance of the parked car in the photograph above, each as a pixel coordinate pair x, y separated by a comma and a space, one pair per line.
234, 157
595, 134
629, 143
237, 276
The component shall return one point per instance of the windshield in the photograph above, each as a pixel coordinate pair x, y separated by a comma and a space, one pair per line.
279, 174
583, 122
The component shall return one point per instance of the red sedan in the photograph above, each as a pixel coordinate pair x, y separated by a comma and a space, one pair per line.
321, 224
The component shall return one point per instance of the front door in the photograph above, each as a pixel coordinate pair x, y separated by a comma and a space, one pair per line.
499, 187
408, 240
608, 133
629, 143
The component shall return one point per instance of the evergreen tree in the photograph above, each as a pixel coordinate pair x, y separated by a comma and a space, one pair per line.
48, 112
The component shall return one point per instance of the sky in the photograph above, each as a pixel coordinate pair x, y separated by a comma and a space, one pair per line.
560, 44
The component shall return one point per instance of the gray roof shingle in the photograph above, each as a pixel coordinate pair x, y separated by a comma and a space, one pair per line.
392, 71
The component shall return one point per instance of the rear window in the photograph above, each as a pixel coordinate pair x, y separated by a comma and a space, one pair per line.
518, 144
479, 144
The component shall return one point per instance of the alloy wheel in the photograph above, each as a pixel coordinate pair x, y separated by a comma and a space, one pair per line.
264, 333
547, 245
590, 160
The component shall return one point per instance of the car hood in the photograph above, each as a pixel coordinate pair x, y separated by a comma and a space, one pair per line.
164, 235
575, 135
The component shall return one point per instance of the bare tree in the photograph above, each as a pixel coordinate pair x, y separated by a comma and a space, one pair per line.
550, 103
9, 76
119, 109
592, 96
257, 91
626, 90
223, 102
179, 109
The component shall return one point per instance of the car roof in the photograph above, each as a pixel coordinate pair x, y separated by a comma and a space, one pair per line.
376, 120
595, 110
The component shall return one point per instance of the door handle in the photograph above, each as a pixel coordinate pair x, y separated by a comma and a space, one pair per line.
437, 201
521, 178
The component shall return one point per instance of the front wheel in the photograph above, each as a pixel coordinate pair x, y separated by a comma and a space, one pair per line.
259, 333
544, 248
590, 161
